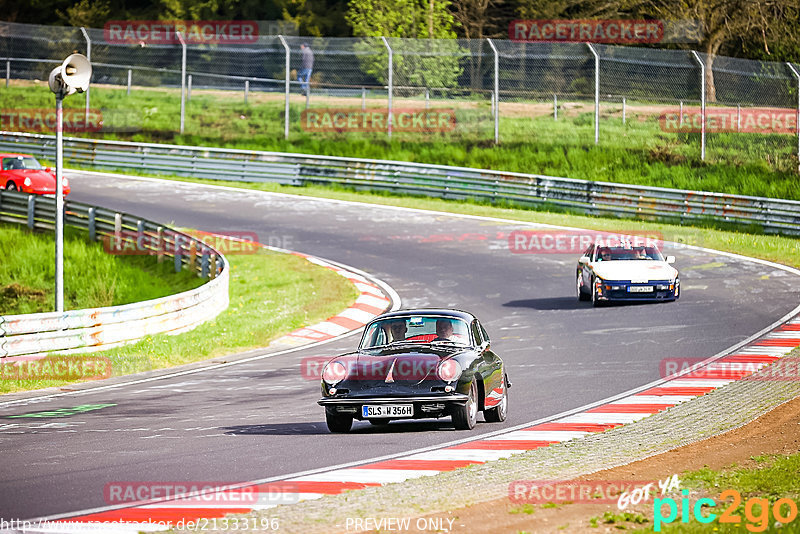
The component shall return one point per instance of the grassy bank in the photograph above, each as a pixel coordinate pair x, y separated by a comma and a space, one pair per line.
92, 278
637, 152
271, 294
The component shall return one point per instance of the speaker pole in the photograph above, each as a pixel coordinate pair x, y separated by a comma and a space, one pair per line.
59, 204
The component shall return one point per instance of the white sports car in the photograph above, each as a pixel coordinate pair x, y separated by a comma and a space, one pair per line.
626, 273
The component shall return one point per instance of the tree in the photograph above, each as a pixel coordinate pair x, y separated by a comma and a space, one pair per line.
724, 22
429, 56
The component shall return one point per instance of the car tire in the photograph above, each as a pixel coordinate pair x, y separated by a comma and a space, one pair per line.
339, 423
498, 413
465, 417
11, 186
595, 302
379, 422
581, 295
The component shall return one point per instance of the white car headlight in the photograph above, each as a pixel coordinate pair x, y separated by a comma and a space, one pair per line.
27, 182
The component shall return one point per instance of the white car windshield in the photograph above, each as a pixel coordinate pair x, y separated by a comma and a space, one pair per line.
628, 253
416, 329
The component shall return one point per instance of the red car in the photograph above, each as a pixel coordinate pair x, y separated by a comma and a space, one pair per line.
22, 172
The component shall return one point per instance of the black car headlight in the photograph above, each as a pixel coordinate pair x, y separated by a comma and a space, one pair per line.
334, 372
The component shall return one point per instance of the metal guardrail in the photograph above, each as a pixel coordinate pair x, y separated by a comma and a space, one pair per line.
38, 334
583, 196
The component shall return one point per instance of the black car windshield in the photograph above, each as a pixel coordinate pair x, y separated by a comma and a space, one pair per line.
628, 253
20, 162
418, 330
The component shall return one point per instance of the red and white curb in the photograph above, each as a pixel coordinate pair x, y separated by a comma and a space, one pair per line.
371, 302
735, 365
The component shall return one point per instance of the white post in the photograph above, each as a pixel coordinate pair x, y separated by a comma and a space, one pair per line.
738, 117
797, 117
129, 82
59, 204
188, 87
8, 70
89, 57
702, 105
623, 110
427, 98
496, 92
555, 107
183, 77
596, 93
680, 121
246, 90
286, 89
391, 73
363, 98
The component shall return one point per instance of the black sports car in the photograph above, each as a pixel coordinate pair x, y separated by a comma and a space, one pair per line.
415, 364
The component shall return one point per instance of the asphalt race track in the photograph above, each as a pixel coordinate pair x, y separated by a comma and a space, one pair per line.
260, 419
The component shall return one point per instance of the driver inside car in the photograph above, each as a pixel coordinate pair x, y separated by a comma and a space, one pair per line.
444, 330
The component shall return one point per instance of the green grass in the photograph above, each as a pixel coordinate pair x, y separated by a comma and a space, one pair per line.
773, 478
92, 278
271, 294
638, 152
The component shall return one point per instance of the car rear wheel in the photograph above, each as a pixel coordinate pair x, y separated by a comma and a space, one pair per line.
11, 186
379, 422
464, 417
338, 423
499, 412
581, 295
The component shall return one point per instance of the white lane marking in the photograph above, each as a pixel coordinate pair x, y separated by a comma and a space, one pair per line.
381, 476
655, 399
601, 418
697, 383
479, 455
541, 435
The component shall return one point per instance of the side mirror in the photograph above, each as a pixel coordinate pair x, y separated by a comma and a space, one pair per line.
670, 259
584, 259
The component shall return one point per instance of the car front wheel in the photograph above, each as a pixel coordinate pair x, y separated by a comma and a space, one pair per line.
11, 186
499, 412
581, 295
338, 423
465, 416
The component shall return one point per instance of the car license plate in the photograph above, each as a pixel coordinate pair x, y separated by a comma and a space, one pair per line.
640, 289
387, 410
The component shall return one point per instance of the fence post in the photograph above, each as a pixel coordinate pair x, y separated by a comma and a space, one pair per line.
391, 70
129, 82
183, 77
92, 223
680, 120
188, 87
246, 90
286, 88
496, 92
555, 107
89, 58
32, 212
702, 105
596, 93
427, 98
623, 110
363, 98
8, 70
797, 117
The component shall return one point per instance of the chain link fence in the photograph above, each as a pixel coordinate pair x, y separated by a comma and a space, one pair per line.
649, 100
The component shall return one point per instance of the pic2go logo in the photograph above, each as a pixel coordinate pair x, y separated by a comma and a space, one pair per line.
756, 511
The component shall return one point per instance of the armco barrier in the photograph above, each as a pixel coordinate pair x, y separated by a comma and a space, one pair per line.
593, 198
36, 334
